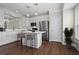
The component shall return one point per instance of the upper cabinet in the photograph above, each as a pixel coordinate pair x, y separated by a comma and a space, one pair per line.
1, 18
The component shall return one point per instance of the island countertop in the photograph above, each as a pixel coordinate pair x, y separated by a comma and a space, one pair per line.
37, 32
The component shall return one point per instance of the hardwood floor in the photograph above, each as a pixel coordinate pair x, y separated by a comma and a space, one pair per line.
47, 48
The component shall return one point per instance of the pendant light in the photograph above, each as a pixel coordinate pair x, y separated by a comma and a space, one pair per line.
28, 12
36, 13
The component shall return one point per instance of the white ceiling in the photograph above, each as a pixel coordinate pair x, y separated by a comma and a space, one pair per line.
20, 8
69, 6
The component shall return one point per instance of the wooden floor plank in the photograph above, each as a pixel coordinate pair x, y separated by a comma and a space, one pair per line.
47, 48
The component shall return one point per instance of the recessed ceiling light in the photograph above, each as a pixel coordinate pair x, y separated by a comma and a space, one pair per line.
27, 15
16, 10
36, 13
36, 9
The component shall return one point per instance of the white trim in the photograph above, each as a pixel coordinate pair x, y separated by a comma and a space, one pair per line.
75, 47
63, 43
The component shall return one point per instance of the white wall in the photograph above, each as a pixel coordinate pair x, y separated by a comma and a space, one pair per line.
76, 23
55, 18
68, 18
76, 28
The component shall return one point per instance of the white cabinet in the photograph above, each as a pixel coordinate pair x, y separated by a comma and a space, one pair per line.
7, 37
33, 40
3, 38
11, 36
1, 23
0, 38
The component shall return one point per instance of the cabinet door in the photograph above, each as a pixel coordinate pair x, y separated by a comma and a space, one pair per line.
29, 43
11, 37
37, 41
4, 39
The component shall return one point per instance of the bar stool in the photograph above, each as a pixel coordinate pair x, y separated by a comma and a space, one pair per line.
21, 36
30, 37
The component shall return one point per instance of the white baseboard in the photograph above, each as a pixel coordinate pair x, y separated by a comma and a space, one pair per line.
7, 43
63, 43
75, 47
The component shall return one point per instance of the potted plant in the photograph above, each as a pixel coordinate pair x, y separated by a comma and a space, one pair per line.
68, 35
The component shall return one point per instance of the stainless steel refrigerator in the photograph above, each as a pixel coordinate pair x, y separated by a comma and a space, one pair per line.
44, 26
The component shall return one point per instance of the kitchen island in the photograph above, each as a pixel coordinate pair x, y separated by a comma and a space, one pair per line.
33, 39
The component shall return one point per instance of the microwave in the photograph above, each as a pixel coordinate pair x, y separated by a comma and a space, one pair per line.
1, 29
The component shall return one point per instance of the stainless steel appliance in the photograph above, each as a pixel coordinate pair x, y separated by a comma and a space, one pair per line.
44, 26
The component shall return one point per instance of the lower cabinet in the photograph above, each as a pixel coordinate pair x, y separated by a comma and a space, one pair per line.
7, 37
34, 42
